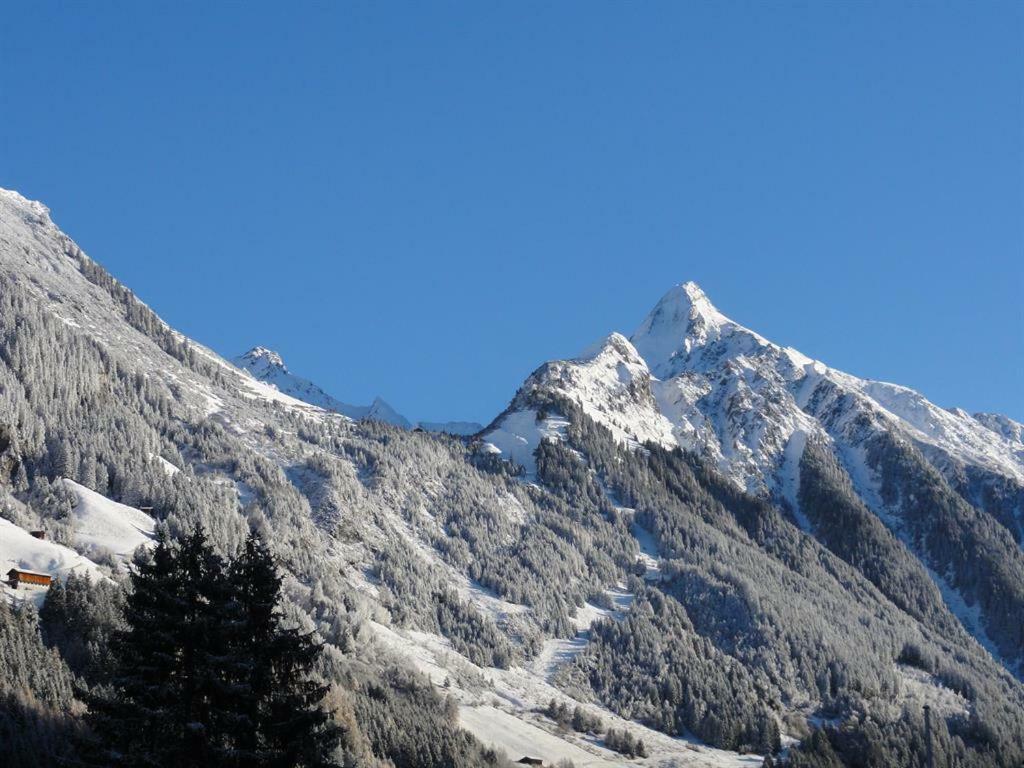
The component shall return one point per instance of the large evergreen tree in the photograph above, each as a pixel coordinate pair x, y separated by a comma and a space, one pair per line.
286, 725
169, 703
207, 673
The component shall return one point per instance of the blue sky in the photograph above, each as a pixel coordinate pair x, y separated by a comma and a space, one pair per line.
427, 200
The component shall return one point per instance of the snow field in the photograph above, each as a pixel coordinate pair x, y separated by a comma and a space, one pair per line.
19, 549
105, 525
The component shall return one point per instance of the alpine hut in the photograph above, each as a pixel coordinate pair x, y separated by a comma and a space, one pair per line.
17, 576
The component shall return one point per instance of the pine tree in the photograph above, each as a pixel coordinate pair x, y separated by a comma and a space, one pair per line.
131, 719
207, 705
168, 703
286, 724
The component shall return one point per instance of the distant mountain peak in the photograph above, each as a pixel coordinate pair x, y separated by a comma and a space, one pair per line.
380, 410
268, 366
265, 356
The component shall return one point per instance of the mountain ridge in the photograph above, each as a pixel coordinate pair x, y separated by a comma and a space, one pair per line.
750, 406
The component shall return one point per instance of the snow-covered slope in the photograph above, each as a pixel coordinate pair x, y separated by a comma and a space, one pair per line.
19, 549
103, 526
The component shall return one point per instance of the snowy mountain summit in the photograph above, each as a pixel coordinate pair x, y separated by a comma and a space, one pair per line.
691, 378
269, 367
682, 322
260, 361
731, 392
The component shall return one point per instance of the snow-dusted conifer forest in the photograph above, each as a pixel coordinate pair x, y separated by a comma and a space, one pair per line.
691, 546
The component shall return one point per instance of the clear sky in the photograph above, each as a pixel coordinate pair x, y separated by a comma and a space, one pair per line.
427, 200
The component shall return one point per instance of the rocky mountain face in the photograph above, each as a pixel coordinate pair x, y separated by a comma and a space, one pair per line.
690, 538
689, 377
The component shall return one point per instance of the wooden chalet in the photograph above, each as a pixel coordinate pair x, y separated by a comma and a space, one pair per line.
17, 576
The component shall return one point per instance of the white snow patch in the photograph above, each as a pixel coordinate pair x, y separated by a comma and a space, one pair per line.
789, 476
558, 651
925, 689
19, 549
167, 467
105, 525
649, 554
500, 708
519, 434
969, 616
521, 738
486, 600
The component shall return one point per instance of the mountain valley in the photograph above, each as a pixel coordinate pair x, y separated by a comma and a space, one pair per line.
686, 546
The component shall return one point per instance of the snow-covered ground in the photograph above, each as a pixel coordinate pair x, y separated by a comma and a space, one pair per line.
499, 707
519, 434
923, 689
19, 549
789, 476
105, 526
519, 737
649, 554
103, 530
559, 651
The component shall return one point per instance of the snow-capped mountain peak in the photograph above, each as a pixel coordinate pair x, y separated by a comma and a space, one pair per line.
691, 376
615, 345
681, 324
268, 366
261, 358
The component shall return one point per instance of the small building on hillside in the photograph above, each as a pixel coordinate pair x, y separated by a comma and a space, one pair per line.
18, 576
526, 760
38, 534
